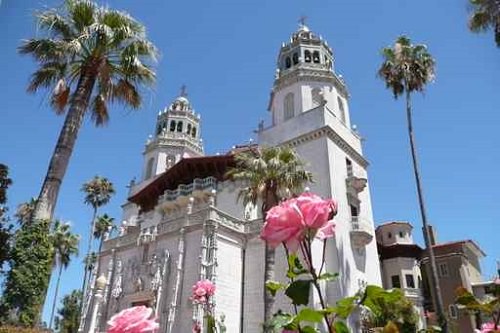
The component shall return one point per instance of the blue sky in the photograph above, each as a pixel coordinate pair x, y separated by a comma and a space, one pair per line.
225, 52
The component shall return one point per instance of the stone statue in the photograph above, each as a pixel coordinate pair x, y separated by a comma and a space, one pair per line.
138, 285
221, 323
123, 228
117, 289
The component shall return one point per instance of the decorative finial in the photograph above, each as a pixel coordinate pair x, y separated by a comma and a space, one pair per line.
302, 20
183, 91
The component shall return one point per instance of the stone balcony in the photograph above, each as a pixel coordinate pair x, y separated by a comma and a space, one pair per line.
355, 185
361, 232
198, 189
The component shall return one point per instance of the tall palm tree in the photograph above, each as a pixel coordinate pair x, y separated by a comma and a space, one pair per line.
24, 211
103, 225
485, 16
65, 245
270, 174
406, 69
88, 56
98, 192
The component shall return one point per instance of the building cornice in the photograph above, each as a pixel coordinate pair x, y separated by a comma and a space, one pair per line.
327, 131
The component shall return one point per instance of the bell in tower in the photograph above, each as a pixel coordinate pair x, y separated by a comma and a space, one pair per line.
177, 136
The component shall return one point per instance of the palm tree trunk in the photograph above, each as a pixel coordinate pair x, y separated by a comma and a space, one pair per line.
433, 276
65, 143
55, 297
89, 251
269, 263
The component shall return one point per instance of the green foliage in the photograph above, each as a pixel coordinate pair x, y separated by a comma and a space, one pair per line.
5, 226
27, 280
488, 307
271, 173
103, 224
65, 244
98, 191
390, 307
298, 291
68, 317
81, 38
485, 16
406, 67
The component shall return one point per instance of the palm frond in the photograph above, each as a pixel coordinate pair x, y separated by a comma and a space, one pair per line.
99, 113
55, 24
82, 13
127, 93
46, 76
60, 96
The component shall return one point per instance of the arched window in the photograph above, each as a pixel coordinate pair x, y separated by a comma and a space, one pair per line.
288, 106
188, 131
295, 58
193, 132
341, 109
316, 58
288, 62
172, 126
158, 130
149, 168
317, 98
179, 126
307, 56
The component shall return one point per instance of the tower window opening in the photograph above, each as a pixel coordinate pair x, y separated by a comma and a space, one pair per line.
158, 129
295, 58
179, 126
317, 98
389, 235
288, 62
316, 58
307, 56
354, 212
341, 109
289, 106
193, 132
188, 131
172, 126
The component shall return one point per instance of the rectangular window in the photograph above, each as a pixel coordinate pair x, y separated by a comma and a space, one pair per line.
354, 211
396, 283
443, 269
410, 281
348, 164
453, 311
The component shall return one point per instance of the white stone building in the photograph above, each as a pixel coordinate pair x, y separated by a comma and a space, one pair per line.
182, 221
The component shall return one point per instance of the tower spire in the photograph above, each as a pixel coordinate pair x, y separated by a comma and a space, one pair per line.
183, 92
302, 20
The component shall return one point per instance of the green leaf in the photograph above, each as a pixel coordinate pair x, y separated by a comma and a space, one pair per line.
281, 320
345, 306
340, 327
295, 267
310, 315
298, 291
308, 329
328, 276
274, 286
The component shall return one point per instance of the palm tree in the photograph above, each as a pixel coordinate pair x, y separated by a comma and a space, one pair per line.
407, 68
98, 192
65, 245
104, 224
485, 16
24, 211
88, 56
270, 174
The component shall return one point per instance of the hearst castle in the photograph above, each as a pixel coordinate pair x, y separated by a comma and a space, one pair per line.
182, 222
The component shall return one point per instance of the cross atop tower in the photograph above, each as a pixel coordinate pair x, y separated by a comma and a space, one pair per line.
183, 92
302, 20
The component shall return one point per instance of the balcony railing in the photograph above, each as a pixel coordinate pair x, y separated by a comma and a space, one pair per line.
205, 184
361, 231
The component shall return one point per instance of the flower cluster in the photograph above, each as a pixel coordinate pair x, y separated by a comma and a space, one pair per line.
202, 290
294, 219
133, 320
489, 327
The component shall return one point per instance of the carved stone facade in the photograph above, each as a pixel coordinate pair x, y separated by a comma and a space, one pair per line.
183, 222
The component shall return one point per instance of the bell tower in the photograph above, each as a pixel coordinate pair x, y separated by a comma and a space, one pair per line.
305, 79
177, 136
310, 113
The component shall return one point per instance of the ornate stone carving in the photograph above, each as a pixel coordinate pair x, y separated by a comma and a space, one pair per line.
117, 288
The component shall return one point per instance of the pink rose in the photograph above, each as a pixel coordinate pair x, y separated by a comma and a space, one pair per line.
316, 211
284, 223
489, 327
202, 290
133, 320
289, 221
